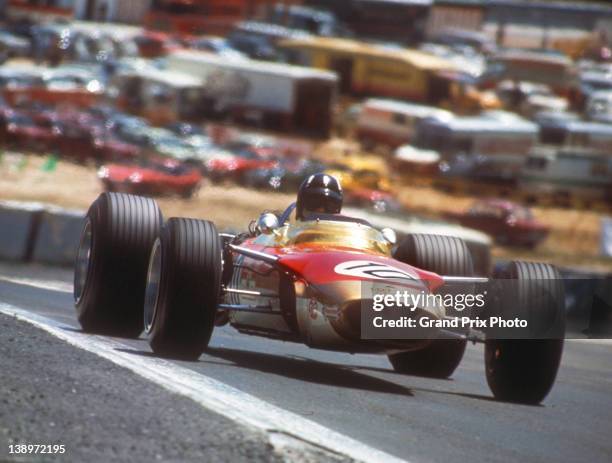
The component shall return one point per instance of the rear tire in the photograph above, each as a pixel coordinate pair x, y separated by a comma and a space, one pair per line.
444, 255
524, 370
111, 268
183, 288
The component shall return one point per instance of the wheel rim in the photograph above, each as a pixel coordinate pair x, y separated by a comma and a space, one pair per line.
152, 288
83, 260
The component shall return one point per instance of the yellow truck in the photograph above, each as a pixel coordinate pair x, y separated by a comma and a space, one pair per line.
365, 69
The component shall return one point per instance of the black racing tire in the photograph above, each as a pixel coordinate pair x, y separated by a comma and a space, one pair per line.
183, 288
524, 370
444, 255
111, 268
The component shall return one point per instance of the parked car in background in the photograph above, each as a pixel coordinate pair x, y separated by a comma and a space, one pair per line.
311, 20
95, 143
507, 222
260, 145
151, 177
19, 76
160, 142
61, 85
372, 199
108, 148
258, 40
466, 58
287, 176
228, 166
124, 125
528, 98
592, 81
52, 42
184, 129
362, 172
599, 106
454, 37
13, 46
153, 44
414, 164
23, 132
217, 45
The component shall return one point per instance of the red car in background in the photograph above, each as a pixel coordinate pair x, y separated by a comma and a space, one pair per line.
95, 143
507, 222
151, 178
109, 148
22, 132
78, 135
225, 165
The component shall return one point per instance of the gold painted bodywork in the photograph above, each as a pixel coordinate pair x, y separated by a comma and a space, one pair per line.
326, 233
322, 311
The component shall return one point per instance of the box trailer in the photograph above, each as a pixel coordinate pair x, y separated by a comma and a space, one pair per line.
276, 96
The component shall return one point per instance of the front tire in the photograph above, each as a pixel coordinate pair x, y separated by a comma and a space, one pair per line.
444, 255
111, 268
183, 288
524, 370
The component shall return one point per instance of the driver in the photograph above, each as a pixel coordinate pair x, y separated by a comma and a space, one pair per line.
319, 193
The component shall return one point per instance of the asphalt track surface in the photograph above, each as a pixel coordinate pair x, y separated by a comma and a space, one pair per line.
54, 392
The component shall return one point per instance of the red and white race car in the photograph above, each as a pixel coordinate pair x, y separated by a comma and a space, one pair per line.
312, 281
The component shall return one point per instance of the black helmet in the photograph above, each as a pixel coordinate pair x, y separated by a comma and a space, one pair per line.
319, 193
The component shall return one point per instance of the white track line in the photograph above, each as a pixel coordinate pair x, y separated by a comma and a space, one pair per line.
63, 287
221, 398
59, 286
605, 342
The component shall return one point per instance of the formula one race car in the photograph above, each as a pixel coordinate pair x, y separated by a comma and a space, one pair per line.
302, 281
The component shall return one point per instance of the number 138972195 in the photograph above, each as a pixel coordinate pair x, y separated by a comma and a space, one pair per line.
33, 449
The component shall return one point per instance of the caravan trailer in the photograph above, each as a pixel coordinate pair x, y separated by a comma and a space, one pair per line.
391, 122
275, 96
567, 176
478, 153
575, 134
491, 133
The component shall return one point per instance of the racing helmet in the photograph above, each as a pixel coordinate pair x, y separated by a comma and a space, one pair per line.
319, 193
